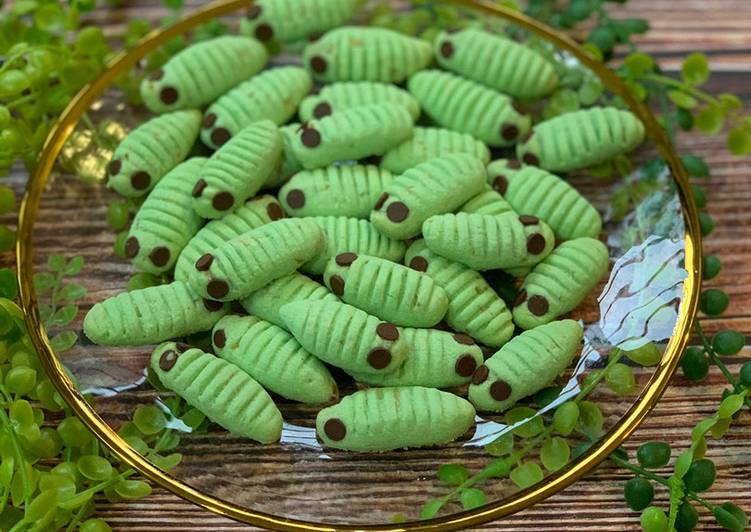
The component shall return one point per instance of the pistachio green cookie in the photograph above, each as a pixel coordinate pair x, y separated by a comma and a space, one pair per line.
166, 221
200, 73
295, 20
238, 170
151, 315
502, 168
254, 259
253, 214
355, 236
151, 150
383, 419
356, 53
342, 96
345, 336
467, 107
266, 302
482, 242
437, 359
474, 307
335, 191
430, 142
561, 281
386, 289
271, 95
222, 391
525, 365
532, 190
273, 357
352, 134
581, 138
488, 202
496, 62
438, 186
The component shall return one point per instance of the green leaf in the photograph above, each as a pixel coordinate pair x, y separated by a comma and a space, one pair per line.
527, 474
495, 469
502, 446
730, 101
730, 405
631, 26
8, 283
710, 120
683, 463
702, 427
431, 508
590, 419
683, 100
695, 165
56, 263
452, 474
63, 316
75, 265
472, 498
39, 510
72, 292
695, 69
7, 468
168, 462
132, 489
727, 520
739, 514
555, 454
44, 282
739, 141
95, 467
721, 427
638, 64
64, 341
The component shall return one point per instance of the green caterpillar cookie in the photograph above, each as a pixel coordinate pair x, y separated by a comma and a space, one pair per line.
581, 138
354, 53
474, 307
295, 20
151, 315
166, 221
273, 357
560, 282
467, 107
525, 365
334, 191
202, 72
345, 336
428, 143
482, 242
254, 259
352, 235
253, 214
288, 164
437, 359
437, 186
496, 62
266, 302
386, 289
238, 170
342, 96
222, 391
487, 202
531, 190
271, 95
383, 419
151, 150
352, 134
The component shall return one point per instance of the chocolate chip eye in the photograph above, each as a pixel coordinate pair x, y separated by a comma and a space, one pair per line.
388, 332
465, 365
500, 390
397, 212
379, 358
168, 360
337, 285
335, 429
217, 288
419, 264
296, 198
220, 136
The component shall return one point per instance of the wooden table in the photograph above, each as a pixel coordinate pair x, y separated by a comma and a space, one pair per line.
722, 29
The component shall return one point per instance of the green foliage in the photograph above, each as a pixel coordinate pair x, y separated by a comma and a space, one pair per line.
58, 298
638, 493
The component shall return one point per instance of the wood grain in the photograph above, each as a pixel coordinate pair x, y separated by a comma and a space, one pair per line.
722, 28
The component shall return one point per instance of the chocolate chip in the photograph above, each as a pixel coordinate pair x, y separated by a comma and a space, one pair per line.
535, 243
528, 219
275, 212
296, 198
337, 285
220, 338
223, 201
199, 188
114, 167
140, 180
335, 429
509, 131
182, 347
168, 360
237, 308
520, 298
538, 305
379, 358
204, 263
397, 212
132, 247
254, 11
380, 201
217, 288
322, 109
387, 331
264, 33
519, 107
481, 375
346, 259
447, 49
220, 136
531, 158
465, 365
373, 159
500, 390
168, 95
464, 339
159, 256
212, 306
514, 164
419, 263
443, 326
310, 137
500, 183
209, 120
318, 64
157, 75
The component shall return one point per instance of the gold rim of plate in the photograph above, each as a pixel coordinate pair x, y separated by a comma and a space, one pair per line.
552, 484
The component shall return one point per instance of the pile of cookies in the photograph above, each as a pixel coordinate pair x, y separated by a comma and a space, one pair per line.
355, 237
